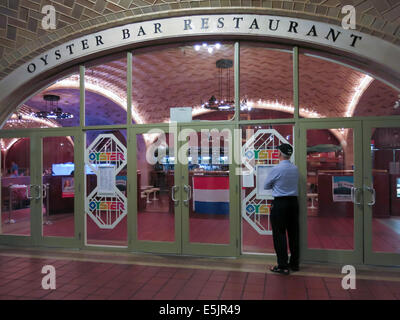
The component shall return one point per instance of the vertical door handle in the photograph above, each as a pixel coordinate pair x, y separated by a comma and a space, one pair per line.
44, 191
354, 192
188, 190
30, 197
174, 188
29, 192
38, 187
372, 190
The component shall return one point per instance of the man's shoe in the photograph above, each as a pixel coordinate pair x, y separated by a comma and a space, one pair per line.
294, 268
276, 269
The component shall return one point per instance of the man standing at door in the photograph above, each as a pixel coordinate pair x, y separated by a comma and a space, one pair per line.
283, 180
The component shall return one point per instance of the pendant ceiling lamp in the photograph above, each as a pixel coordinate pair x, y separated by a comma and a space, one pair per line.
224, 102
53, 111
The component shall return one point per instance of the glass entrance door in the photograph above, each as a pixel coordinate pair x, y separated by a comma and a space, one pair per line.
156, 196
17, 190
331, 194
209, 206
38, 202
382, 192
184, 190
56, 180
106, 188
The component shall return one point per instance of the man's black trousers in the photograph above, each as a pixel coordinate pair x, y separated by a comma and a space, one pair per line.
285, 218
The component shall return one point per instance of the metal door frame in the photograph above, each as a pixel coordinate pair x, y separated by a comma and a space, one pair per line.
371, 257
20, 240
207, 249
181, 244
354, 256
37, 158
144, 245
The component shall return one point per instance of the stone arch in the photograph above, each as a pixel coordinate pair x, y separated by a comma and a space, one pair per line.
77, 18
144, 16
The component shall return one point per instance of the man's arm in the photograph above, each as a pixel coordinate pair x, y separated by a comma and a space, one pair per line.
271, 179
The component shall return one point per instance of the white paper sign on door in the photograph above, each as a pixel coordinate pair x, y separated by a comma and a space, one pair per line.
106, 183
181, 114
248, 180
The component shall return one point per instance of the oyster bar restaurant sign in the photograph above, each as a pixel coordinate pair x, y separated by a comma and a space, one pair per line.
247, 25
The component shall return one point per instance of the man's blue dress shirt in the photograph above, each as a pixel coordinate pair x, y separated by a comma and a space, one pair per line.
283, 180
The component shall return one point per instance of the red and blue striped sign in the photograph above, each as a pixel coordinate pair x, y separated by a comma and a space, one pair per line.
211, 195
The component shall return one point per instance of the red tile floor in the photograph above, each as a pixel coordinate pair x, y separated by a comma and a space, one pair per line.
323, 232
94, 276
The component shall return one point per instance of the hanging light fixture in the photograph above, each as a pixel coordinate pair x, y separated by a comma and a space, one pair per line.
224, 102
55, 111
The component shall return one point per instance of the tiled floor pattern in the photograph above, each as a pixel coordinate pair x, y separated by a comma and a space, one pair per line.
323, 232
21, 277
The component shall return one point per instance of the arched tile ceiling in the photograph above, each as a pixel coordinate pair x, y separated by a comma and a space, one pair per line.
100, 110
176, 76
266, 75
326, 87
378, 98
114, 73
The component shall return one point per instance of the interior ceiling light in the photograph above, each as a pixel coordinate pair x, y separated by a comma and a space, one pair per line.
225, 102
397, 103
55, 112
102, 87
209, 47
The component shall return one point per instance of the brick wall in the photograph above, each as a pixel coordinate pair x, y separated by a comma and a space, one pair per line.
22, 37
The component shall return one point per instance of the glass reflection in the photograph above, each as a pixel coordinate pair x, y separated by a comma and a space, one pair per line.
330, 178
195, 75
15, 191
58, 181
384, 198
155, 182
